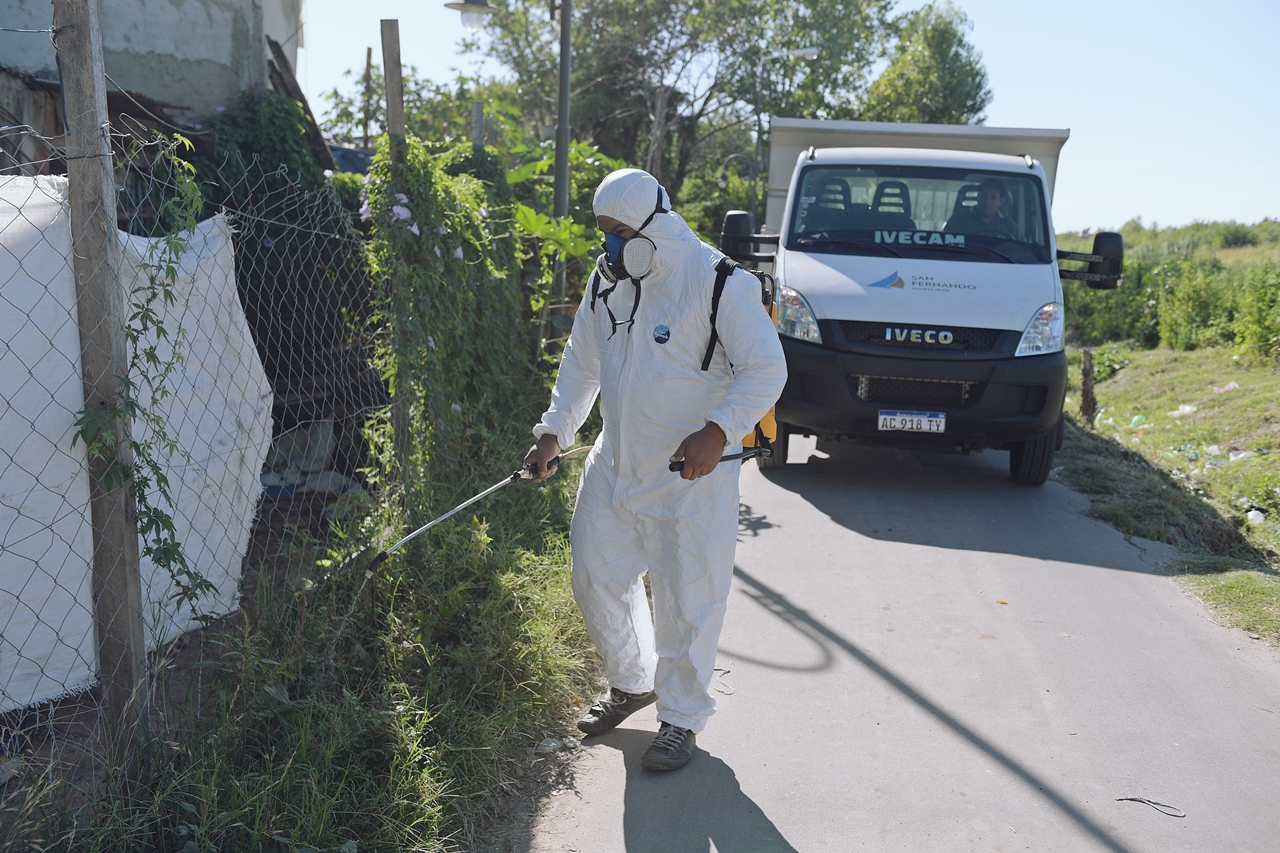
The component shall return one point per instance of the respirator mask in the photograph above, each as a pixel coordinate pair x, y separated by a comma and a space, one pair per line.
629, 258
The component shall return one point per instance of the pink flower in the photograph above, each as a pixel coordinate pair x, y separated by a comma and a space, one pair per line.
437, 248
365, 212
414, 229
484, 211
441, 230
366, 179
457, 253
402, 198
400, 212
456, 407
431, 342
328, 173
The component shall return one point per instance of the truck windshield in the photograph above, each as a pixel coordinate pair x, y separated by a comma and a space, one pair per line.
921, 211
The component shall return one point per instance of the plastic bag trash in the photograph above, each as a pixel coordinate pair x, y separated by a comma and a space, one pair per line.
1230, 386
1183, 410
1213, 450
571, 743
1240, 455
548, 746
1138, 420
1194, 455
1256, 516
10, 768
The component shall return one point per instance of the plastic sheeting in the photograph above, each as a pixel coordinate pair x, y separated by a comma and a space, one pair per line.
219, 412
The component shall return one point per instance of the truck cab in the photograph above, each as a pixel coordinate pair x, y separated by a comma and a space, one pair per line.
919, 300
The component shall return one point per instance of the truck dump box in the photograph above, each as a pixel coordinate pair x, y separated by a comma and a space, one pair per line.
788, 137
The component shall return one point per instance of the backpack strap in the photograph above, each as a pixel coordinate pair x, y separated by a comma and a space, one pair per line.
724, 269
595, 288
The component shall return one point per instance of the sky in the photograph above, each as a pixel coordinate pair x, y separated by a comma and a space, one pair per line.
1173, 106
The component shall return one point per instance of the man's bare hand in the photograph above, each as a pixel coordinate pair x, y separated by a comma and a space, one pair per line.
543, 452
700, 451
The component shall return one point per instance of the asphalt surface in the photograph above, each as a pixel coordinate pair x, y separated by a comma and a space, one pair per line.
920, 655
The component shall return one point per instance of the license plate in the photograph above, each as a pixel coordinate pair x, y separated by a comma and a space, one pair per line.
913, 421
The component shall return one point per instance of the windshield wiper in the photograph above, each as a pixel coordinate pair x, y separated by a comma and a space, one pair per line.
975, 249
849, 244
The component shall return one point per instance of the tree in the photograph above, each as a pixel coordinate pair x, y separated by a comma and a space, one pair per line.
655, 82
934, 74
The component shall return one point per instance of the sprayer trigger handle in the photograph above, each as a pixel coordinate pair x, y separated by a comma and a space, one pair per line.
528, 472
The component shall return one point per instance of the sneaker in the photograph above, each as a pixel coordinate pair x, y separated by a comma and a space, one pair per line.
606, 714
671, 750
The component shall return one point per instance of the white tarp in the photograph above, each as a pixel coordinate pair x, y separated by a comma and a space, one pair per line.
219, 413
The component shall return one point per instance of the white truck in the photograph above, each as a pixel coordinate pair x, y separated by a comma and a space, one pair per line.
918, 293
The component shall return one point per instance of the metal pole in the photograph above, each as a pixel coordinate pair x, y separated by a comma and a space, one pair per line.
117, 587
561, 198
755, 159
477, 124
368, 92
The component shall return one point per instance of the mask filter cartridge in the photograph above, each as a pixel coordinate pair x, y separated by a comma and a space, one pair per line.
627, 258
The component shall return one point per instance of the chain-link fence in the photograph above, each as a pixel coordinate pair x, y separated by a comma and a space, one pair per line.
136, 512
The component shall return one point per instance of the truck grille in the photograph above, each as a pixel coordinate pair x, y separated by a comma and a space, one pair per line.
894, 391
862, 332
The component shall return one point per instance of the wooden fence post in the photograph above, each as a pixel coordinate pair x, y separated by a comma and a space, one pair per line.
117, 590
400, 407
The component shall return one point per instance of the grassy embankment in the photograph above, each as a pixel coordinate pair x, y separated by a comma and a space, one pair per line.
1169, 457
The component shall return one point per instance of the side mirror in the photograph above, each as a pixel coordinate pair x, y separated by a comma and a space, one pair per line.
1106, 264
737, 241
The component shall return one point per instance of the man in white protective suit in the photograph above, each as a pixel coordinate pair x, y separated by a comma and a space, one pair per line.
638, 340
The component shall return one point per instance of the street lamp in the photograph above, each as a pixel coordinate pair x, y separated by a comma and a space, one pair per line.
722, 179
473, 12
797, 53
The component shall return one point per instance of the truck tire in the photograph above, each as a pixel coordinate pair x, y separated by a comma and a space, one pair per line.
1030, 461
779, 457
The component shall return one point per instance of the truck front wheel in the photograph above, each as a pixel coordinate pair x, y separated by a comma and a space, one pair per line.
779, 457
1030, 461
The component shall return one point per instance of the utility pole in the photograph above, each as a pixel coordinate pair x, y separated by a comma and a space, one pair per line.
96, 257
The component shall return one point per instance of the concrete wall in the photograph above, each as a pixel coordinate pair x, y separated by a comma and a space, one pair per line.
196, 54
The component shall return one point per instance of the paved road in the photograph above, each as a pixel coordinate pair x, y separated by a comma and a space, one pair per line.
879, 693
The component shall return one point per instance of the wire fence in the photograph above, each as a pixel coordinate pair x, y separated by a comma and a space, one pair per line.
246, 344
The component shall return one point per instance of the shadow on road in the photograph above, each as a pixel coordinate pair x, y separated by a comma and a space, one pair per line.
778, 604
944, 501
688, 810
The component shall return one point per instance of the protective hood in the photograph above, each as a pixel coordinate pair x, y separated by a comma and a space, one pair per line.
631, 196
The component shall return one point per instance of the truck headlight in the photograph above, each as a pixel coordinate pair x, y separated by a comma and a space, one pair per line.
1044, 332
795, 317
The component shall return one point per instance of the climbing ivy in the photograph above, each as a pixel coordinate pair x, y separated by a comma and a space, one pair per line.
146, 337
455, 336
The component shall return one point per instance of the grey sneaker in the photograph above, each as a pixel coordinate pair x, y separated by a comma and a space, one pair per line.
615, 707
671, 750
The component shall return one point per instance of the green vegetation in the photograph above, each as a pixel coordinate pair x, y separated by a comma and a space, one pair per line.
342, 712
1206, 480
1178, 453
934, 74
1205, 284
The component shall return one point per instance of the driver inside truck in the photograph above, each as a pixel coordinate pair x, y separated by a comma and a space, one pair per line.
987, 217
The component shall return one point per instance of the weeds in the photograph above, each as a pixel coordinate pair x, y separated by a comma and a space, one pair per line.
1180, 456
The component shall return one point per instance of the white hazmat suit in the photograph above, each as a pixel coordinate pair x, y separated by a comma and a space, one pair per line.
633, 514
